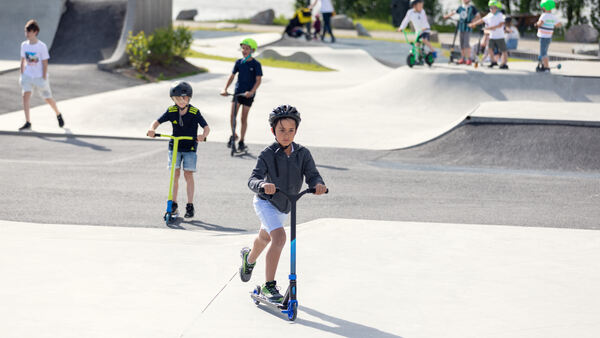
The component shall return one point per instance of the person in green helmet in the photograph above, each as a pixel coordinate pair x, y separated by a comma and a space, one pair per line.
546, 24
249, 73
494, 23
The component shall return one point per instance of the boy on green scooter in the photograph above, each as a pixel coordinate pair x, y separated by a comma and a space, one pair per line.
185, 119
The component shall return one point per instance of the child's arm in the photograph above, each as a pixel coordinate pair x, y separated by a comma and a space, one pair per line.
204, 135
229, 81
476, 23
257, 178
405, 22
256, 85
449, 15
152, 131
44, 68
22, 65
312, 176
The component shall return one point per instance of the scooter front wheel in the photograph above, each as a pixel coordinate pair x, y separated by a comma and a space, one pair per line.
410, 60
167, 217
292, 311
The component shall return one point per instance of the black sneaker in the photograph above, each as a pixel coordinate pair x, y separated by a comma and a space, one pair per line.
504, 66
230, 142
26, 126
189, 210
241, 146
61, 122
270, 290
246, 268
492, 65
174, 208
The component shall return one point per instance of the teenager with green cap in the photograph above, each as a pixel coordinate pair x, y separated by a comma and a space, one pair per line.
249, 73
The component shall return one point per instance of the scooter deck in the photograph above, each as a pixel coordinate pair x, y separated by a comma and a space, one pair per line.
262, 299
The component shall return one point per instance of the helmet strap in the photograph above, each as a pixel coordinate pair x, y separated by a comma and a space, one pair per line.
244, 60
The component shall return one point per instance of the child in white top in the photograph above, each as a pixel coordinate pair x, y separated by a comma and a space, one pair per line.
418, 17
34, 72
545, 25
494, 23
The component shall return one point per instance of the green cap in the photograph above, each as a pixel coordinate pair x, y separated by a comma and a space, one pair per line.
495, 3
548, 4
249, 42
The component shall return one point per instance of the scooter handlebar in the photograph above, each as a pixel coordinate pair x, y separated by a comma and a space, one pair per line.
175, 137
310, 190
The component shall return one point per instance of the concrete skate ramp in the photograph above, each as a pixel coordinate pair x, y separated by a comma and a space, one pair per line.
14, 15
88, 31
541, 146
295, 57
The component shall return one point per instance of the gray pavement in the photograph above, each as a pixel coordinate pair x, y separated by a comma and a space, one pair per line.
125, 182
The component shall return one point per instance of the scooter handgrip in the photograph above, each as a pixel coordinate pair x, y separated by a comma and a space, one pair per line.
156, 135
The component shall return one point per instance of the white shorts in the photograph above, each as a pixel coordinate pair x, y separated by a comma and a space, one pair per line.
29, 83
270, 217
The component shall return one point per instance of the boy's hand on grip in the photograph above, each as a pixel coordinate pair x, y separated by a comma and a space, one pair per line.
151, 133
320, 189
269, 188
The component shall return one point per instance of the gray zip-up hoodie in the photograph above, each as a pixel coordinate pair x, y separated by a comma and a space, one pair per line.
274, 166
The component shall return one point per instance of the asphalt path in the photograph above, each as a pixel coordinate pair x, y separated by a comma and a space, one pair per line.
124, 182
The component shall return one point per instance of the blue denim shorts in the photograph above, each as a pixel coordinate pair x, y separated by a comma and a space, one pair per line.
270, 217
189, 159
544, 44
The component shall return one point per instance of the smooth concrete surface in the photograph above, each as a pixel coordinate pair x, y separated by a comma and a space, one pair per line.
13, 18
356, 278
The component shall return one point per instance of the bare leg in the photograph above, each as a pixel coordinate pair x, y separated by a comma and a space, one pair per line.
545, 61
245, 111
175, 183
467, 53
274, 252
504, 57
52, 104
26, 100
260, 243
189, 179
428, 45
232, 118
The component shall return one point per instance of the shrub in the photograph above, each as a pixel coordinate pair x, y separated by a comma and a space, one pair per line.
138, 51
160, 47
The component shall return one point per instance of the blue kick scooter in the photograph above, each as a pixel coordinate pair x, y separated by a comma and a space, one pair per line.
289, 305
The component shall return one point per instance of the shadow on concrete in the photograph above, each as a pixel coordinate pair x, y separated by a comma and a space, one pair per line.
73, 140
180, 222
342, 327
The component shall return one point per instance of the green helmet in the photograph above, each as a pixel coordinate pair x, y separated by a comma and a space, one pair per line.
548, 4
250, 43
495, 3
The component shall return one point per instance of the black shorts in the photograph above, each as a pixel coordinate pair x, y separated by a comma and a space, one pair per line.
423, 36
244, 100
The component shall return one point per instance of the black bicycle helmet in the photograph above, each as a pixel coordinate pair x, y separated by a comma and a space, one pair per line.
180, 88
284, 111
413, 2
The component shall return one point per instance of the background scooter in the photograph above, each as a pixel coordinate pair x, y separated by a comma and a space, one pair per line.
417, 54
234, 150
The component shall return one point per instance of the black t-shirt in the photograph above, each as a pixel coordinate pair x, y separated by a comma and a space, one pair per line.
184, 125
248, 71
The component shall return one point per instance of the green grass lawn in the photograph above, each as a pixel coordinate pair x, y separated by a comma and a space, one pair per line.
376, 25
267, 62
